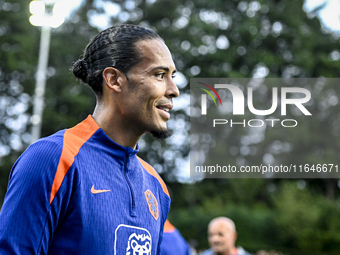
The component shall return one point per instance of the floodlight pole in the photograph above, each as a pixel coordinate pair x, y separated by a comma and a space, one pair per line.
38, 105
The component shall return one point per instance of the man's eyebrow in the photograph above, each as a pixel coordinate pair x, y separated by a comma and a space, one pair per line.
165, 68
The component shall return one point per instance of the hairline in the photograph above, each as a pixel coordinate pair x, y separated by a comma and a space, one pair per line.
224, 220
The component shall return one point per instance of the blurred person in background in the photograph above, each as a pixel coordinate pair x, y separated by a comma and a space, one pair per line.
222, 236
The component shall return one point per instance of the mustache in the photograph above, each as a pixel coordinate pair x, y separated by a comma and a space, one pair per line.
164, 101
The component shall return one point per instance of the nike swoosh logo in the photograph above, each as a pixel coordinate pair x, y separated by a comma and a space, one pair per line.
96, 191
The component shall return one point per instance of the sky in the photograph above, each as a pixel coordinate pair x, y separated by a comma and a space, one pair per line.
329, 15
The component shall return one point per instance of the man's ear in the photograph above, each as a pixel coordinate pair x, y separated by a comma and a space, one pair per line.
235, 236
111, 79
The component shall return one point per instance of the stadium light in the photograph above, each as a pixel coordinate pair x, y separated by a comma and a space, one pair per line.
45, 14
53, 18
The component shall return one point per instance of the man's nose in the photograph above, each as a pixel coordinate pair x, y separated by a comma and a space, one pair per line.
213, 239
172, 89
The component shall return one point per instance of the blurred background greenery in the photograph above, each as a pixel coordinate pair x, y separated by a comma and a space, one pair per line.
215, 38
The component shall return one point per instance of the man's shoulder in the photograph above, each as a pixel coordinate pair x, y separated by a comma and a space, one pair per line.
241, 251
207, 252
38, 162
47, 151
47, 145
153, 173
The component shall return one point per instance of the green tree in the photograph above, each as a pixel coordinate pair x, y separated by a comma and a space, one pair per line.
238, 39
66, 100
17, 64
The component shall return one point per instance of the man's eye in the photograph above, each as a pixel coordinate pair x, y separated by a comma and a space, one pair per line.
173, 76
161, 75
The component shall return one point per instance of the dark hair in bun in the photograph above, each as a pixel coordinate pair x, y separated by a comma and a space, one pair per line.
80, 70
114, 47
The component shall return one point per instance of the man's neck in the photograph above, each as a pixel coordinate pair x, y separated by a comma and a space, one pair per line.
114, 129
233, 251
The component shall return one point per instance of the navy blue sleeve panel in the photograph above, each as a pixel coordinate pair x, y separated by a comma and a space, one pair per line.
26, 209
173, 242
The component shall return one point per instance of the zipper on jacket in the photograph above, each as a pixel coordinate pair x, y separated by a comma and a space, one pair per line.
133, 205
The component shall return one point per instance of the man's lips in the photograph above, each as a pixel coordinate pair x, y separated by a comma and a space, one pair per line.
165, 105
164, 109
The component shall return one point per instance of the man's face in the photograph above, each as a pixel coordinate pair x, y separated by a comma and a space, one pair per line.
221, 238
147, 97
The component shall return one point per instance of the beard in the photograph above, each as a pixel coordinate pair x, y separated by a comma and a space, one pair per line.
161, 134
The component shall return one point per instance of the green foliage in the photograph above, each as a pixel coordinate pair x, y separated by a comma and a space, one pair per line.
276, 35
287, 217
255, 223
67, 101
306, 220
